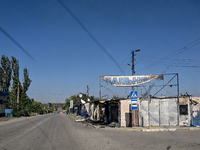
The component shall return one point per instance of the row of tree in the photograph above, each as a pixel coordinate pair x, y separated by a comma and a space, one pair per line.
76, 99
18, 99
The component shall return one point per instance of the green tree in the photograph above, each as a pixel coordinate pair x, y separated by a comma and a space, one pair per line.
74, 98
55, 108
5, 73
66, 105
12, 102
25, 101
37, 107
15, 67
116, 97
51, 109
27, 80
24, 107
93, 99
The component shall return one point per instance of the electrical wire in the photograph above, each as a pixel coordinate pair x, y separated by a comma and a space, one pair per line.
172, 54
16, 43
89, 33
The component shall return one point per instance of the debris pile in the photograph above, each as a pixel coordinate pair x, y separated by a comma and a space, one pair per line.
113, 124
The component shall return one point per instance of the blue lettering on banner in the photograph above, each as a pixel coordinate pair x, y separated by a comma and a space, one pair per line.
108, 80
121, 81
126, 81
114, 81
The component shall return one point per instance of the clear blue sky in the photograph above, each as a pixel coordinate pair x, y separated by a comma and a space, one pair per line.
67, 59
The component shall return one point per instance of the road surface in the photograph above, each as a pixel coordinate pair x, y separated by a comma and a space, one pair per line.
61, 132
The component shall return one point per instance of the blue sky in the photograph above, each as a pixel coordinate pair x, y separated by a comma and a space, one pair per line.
67, 59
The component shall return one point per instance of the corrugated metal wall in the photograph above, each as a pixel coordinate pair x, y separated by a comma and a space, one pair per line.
162, 112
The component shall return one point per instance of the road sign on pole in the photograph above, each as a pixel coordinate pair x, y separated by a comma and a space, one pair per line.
134, 105
134, 100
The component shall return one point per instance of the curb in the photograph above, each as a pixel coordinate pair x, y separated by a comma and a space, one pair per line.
143, 130
189, 128
153, 130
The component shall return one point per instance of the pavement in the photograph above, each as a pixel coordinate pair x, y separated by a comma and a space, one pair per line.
59, 132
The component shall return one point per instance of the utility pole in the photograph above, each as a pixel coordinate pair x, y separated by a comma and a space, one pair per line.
88, 92
133, 72
18, 96
133, 67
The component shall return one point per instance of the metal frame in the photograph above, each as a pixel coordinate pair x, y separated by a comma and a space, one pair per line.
150, 86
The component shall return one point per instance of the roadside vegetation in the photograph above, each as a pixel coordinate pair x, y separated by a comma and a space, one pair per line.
18, 99
76, 99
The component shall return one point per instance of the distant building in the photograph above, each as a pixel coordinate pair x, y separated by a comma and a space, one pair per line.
3, 99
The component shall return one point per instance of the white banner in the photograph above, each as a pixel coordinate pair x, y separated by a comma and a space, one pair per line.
129, 80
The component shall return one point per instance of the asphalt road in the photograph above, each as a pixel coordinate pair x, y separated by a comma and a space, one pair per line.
60, 132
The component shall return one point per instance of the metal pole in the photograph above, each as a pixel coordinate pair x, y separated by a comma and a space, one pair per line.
178, 112
189, 111
100, 88
149, 100
159, 113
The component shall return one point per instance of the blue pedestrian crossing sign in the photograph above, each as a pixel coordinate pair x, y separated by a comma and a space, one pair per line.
134, 100
133, 95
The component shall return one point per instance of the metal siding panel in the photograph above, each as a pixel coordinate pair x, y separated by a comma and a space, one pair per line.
154, 112
144, 110
164, 113
172, 111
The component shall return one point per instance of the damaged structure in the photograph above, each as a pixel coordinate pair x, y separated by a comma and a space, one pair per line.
158, 111
151, 110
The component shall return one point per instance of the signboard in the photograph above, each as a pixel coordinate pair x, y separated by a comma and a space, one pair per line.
134, 100
134, 104
71, 103
129, 80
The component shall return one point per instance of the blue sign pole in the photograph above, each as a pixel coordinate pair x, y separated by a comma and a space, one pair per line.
134, 102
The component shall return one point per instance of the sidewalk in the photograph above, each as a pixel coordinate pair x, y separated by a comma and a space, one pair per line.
143, 129
160, 128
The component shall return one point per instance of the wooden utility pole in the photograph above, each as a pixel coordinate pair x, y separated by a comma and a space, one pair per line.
133, 73
88, 91
18, 96
133, 67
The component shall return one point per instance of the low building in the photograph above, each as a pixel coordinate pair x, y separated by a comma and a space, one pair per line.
156, 111
161, 111
3, 99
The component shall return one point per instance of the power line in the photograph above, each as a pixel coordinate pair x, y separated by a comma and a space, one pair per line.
175, 63
16, 43
89, 33
173, 54
112, 91
126, 58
